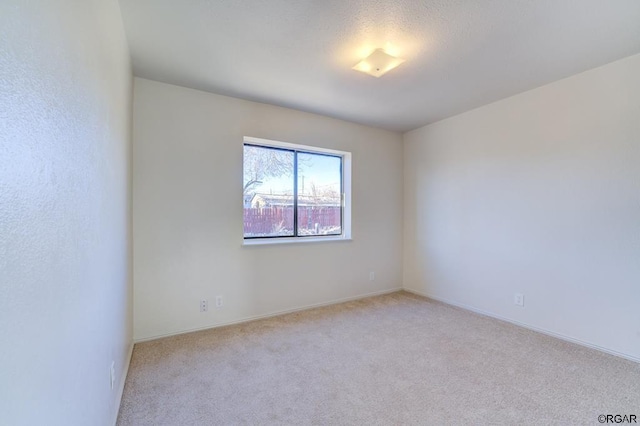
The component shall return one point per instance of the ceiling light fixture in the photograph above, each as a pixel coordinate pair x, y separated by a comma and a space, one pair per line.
378, 63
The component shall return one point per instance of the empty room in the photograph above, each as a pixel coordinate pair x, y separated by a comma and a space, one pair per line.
246, 212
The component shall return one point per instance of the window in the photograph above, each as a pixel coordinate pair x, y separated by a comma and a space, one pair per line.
295, 192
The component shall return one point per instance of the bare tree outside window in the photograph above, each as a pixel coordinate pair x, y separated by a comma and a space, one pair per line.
261, 163
268, 192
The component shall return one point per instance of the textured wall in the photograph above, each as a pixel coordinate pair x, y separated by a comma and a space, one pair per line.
536, 194
65, 234
188, 212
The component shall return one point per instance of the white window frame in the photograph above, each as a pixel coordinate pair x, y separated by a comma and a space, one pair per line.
346, 194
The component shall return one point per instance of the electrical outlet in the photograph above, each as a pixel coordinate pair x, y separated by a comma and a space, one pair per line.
518, 299
112, 374
204, 305
372, 276
218, 301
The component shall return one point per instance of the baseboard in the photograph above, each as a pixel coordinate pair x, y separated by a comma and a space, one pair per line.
527, 326
272, 314
123, 380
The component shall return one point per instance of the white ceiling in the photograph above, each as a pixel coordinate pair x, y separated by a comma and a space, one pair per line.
459, 54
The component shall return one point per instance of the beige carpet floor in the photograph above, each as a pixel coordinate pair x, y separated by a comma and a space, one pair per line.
388, 360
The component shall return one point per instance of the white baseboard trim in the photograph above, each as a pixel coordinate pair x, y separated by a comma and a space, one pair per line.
123, 380
527, 326
272, 314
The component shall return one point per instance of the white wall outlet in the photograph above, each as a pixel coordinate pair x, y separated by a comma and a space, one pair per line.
112, 374
204, 305
218, 301
372, 276
518, 299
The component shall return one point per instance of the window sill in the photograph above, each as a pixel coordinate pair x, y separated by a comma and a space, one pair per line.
293, 240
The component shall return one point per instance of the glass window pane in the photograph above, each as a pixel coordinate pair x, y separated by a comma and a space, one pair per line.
268, 192
319, 194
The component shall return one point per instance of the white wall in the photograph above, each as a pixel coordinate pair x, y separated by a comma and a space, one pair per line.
538, 194
65, 222
188, 213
